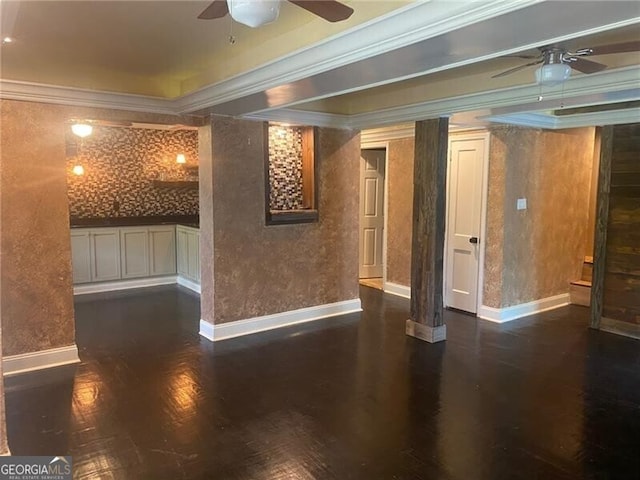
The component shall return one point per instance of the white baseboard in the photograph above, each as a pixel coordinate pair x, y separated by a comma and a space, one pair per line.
501, 315
224, 331
206, 330
397, 289
193, 286
84, 289
28, 362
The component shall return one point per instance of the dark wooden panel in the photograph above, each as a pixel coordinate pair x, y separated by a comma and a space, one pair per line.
602, 218
628, 178
621, 274
429, 204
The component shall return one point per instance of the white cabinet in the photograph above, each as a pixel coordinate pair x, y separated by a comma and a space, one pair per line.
81, 256
162, 250
188, 253
107, 254
134, 258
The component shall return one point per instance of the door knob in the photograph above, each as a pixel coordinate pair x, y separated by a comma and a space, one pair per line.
473, 240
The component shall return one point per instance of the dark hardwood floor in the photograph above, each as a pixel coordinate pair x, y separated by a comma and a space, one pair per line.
345, 398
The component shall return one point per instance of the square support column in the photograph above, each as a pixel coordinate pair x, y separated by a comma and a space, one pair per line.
427, 246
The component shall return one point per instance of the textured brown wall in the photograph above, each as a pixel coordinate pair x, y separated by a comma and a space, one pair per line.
399, 210
36, 293
621, 299
4, 448
542, 248
37, 296
260, 269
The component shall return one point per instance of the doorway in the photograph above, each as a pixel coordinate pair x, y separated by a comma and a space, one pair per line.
372, 201
466, 212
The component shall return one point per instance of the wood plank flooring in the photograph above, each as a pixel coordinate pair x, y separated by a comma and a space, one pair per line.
351, 397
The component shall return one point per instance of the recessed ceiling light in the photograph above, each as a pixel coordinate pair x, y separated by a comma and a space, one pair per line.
7, 40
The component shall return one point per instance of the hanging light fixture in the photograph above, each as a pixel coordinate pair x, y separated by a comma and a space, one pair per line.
553, 74
82, 130
254, 13
180, 158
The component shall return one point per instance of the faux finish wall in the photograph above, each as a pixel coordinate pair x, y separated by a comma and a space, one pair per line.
36, 292
121, 164
533, 254
258, 269
399, 210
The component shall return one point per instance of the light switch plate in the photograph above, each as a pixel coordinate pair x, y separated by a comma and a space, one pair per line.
521, 204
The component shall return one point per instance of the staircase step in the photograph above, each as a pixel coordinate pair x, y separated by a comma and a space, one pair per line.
588, 259
580, 293
587, 269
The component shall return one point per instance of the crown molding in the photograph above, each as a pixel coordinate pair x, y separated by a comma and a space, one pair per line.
37, 92
302, 117
608, 86
399, 28
385, 134
541, 120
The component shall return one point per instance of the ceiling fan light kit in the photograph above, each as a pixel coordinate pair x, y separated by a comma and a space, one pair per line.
553, 74
254, 13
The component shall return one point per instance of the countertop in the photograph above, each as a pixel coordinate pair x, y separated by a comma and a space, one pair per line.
186, 220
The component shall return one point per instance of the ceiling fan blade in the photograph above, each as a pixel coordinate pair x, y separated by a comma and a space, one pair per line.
330, 10
587, 66
624, 47
217, 9
517, 69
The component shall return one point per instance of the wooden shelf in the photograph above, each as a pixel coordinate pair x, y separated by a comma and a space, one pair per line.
176, 184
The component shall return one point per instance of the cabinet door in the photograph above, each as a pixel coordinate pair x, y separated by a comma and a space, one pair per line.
193, 248
105, 254
162, 250
81, 256
134, 244
181, 251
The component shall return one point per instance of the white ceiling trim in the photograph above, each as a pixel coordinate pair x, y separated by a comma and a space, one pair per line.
397, 29
385, 134
301, 117
37, 92
579, 89
590, 119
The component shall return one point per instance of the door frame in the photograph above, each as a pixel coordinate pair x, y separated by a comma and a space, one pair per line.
385, 203
478, 135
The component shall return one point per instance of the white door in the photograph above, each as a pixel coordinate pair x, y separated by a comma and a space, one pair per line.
464, 210
371, 212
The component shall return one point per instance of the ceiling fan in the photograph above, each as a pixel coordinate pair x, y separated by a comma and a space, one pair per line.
556, 62
255, 13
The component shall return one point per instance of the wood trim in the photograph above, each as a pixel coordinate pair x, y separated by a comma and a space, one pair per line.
602, 219
308, 170
619, 327
429, 210
29, 362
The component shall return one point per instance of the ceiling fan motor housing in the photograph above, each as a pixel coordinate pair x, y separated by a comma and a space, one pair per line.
254, 13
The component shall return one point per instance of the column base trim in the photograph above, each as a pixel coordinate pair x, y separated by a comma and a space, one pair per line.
425, 332
619, 327
32, 361
238, 328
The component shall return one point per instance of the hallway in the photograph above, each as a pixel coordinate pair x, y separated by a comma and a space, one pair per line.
350, 397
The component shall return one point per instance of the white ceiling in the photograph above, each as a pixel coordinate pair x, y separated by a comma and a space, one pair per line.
391, 56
